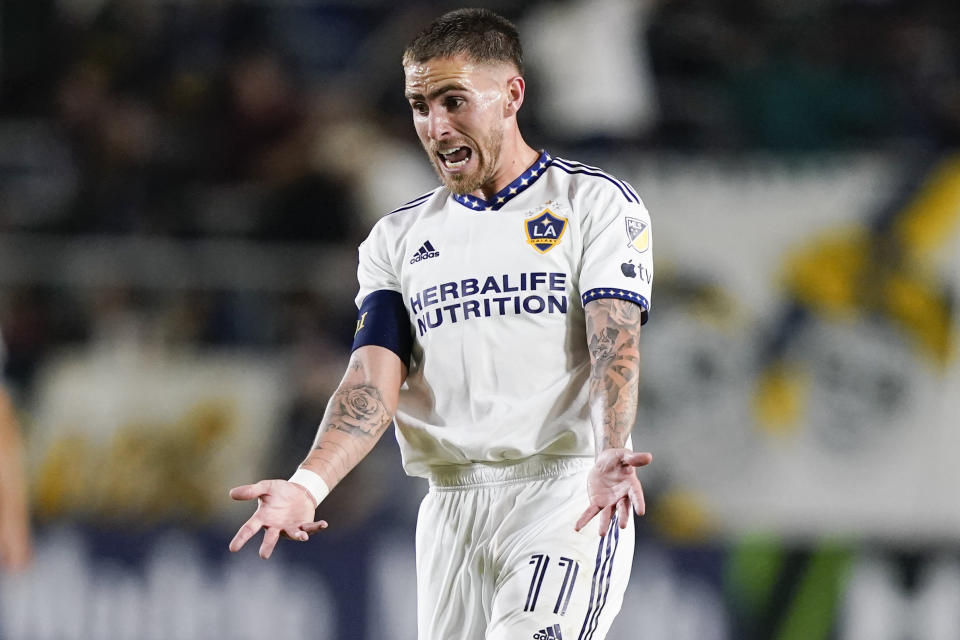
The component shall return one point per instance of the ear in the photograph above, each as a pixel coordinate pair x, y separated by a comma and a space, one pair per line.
515, 90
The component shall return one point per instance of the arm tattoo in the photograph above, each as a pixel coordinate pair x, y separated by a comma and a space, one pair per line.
358, 413
613, 336
359, 410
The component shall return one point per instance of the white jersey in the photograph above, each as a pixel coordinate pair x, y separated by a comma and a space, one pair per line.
494, 292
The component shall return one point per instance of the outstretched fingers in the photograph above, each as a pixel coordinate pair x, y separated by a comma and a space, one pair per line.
295, 533
606, 516
586, 517
623, 512
636, 497
638, 459
253, 526
248, 491
247, 531
270, 539
314, 527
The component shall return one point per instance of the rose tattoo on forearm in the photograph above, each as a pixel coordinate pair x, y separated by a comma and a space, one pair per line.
359, 410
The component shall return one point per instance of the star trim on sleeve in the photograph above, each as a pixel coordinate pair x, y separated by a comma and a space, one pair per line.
621, 294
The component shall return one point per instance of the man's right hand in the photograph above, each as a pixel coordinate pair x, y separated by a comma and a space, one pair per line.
283, 509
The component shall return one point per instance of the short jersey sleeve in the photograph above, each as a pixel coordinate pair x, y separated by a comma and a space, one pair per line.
375, 271
618, 254
382, 318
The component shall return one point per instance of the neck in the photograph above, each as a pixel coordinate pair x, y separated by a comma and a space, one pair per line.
516, 156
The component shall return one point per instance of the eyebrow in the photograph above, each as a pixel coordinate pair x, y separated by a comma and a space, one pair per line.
453, 86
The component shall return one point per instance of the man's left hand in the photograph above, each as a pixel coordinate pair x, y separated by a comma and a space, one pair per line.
613, 486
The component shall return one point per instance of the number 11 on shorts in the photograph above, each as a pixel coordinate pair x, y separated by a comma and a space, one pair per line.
541, 562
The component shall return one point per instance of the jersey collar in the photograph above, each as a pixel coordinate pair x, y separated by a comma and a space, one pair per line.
509, 192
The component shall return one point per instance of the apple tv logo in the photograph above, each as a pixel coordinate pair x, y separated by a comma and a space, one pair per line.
632, 271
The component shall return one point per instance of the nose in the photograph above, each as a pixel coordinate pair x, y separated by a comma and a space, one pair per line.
438, 125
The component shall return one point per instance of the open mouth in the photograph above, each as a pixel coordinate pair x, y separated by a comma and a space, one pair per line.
455, 158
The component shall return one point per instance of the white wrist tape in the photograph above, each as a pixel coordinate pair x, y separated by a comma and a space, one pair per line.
312, 482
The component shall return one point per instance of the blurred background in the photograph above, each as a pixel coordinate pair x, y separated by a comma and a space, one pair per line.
183, 184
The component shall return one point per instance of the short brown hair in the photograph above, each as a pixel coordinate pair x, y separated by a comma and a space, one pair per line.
480, 34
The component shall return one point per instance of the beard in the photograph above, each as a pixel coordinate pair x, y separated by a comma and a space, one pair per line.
486, 156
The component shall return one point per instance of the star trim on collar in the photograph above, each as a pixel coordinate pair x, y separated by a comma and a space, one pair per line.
523, 182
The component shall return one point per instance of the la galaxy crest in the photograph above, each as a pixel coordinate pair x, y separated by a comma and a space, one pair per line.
545, 230
639, 233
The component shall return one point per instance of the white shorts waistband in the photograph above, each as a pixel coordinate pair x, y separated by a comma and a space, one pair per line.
484, 474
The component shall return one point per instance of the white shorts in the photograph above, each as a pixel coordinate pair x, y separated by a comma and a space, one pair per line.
498, 558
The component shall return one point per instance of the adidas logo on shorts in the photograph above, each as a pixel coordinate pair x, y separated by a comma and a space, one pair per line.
550, 633
425, 252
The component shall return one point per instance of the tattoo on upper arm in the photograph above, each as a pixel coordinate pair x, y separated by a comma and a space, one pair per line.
613, 333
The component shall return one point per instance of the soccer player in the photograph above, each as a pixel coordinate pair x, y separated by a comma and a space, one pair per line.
499, 324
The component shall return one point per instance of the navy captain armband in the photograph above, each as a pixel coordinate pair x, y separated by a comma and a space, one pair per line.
383, 321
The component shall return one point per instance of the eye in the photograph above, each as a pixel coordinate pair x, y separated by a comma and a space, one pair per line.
419, 107
453, 102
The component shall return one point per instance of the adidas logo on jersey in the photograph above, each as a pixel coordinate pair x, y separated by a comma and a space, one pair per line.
550, 633
425, 252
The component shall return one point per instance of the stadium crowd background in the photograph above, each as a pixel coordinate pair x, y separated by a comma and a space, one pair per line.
281, 122
186, 178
